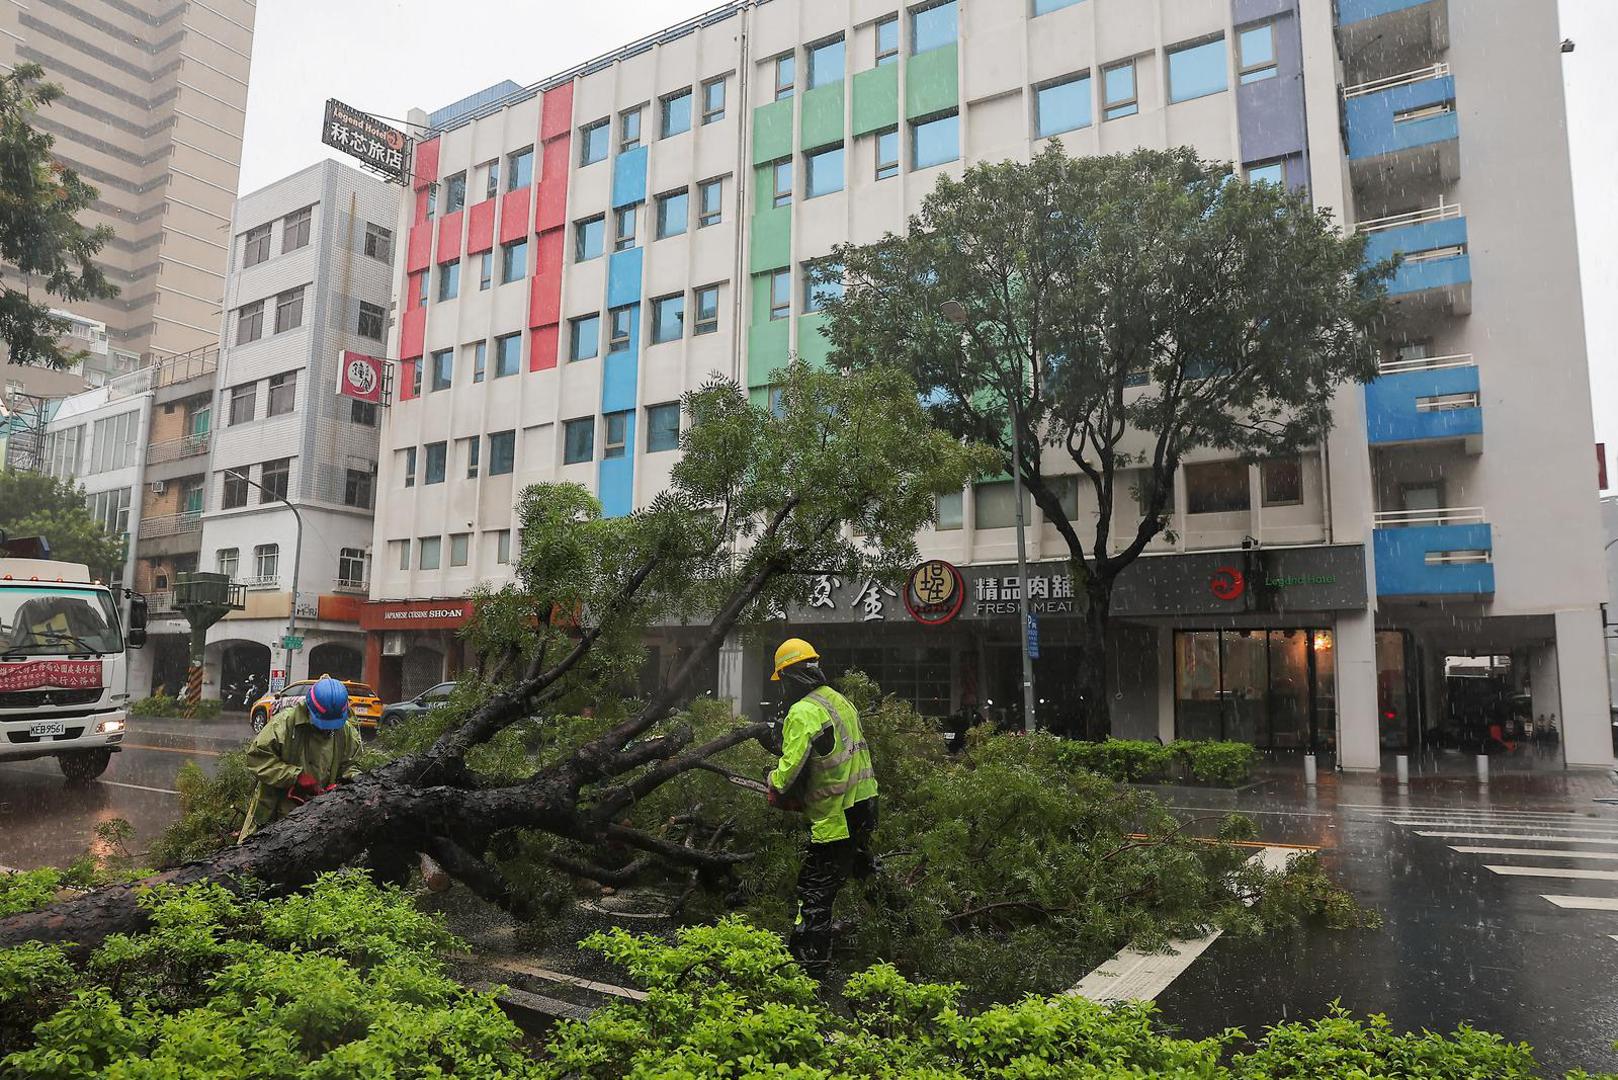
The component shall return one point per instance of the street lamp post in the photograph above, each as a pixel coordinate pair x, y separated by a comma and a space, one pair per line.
297, 557
955, 312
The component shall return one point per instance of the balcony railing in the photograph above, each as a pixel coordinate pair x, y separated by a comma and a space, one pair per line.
1446, 212
1445, 551
1449, 515
1407, 78
178, 449
271, 581
170, 525
161, 602
1426, 363
351, 585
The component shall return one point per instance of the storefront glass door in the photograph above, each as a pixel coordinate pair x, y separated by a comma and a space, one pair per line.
1272, 688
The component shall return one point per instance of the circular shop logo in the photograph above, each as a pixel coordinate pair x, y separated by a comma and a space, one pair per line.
362, 374
934, 593
1228, 583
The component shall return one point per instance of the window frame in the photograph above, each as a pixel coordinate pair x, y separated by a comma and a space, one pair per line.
916, 126
502, 452
501, 354
485, 271
1120, 108
378, 243
575, 330
886, 55
917, 12
434, 463
435, 544
409, 470
455, 193
611, 446
587, 135
786, 65
442, 374
460, 549
812, 78
348, 560
712, 114
780, 197
587, 425
377, 315
491, 178
519, 166
227, 561
661, 231
620, 328
514, 261
1087, 96
707, 218
256, 245
275, 480
656, 413
238, 397
888, 169
289, 309
581, 229
474, 452
660, 309
1197, 501
700, 325
234, 491
815, 293
1265, 474
780, 308
631, 128
358, 482
449, 281
810, 191
250, 322
666, 106
282, 390
1247, 73
1184, 48
626, 216
480, 361
1279, 164
266, 563
296, 229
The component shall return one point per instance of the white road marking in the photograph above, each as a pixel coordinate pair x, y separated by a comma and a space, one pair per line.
1585, 903
1133, 975
139, 787
1451, 809
1530, 837
1529, 852
1509, 823
1543, 830
1554, 872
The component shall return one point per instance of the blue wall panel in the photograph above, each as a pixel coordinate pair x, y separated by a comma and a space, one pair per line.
620, 378
623, 277
1402, 568
1428, 236
1390, 406
629, 178
618, 478
1353, 11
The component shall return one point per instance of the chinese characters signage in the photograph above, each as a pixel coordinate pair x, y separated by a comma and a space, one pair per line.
64, 674
360, 377
934, 593
359, 135
1048, 593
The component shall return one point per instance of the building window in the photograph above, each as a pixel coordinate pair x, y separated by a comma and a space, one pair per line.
250, 322
474, 448
373, 321
437, 463
1118, 88
617, 435
1045, 7
351, 566
362, 412
663, 427
502, 452
1217, 487
409, 466
460, 545
1271, 172
950, 511
673, 213
485, 271
668, 318
255, 245
826, 63
415, 367
589, 236
283, 393
710, 206
403, 548
593, 143
379, 242
629, 129
289, 310
675, 114
274, 479
887, 153
1063, 106
431, 552
584, 337
932, 28
421, 289
1197, 70
502, 547
507, 355
620, 327
295, 229
625, 223
1256, 48
480, 360
267, 564
455, 193
520, 169
775, 401
513, 261
227, 561
443, 370
111, 509
935, 141
780, 294
1281, 480
432, 201
887, 41
491, 179
824, 169
449, 281
786, 75
713, 101
707, 305
821, 282
243, 400
781, 183
578, 441
995, 504
357, 488
112, 442
235, 491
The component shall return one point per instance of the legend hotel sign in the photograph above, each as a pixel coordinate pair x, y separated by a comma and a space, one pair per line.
359, 135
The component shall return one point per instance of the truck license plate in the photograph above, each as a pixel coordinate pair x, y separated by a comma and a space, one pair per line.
47, 727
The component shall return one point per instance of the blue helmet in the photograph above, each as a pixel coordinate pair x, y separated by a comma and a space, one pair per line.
328, 704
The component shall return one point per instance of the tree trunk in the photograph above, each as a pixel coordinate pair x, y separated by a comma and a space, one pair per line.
1093, 596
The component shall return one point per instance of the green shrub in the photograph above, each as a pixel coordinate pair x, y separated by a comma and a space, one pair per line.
211, 810
1220, 763
161, 705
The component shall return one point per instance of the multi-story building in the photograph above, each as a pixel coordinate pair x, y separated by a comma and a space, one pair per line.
585, 250
311, 275
152, 115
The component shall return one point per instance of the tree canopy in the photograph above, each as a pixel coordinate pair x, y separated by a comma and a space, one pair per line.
32, 504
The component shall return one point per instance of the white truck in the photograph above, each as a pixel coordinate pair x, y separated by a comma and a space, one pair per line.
64, 678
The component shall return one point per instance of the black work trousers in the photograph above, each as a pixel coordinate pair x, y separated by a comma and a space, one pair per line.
826, 868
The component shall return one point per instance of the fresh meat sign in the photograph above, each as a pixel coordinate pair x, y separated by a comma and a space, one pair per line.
61, 674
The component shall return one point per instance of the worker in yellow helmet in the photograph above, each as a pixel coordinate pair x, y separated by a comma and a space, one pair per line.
825, 771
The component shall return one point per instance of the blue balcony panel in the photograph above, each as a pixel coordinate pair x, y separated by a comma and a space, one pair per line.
1391, 415
1453, 273
1372, 131
1350, 12
1402, 568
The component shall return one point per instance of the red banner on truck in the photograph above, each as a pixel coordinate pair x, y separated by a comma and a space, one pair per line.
61, 674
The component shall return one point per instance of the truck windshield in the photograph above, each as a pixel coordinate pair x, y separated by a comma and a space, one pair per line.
58, 620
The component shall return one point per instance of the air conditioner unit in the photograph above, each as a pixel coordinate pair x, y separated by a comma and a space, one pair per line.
159, 486
393, 643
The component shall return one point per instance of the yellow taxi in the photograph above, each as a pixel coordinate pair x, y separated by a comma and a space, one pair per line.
364, 707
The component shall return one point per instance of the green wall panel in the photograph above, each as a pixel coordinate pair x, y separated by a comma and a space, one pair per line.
932, 82
772, 241
772, 131
823, 116
876, 99
767, 339
813, 346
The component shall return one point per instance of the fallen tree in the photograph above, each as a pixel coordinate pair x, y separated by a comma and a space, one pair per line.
839, 479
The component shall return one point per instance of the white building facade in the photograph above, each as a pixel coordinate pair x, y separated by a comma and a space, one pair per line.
580, 253
310, 277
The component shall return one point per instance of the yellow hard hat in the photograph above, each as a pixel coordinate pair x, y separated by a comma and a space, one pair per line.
792, 651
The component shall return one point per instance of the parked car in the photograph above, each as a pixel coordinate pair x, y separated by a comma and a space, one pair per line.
427, 699
363, 704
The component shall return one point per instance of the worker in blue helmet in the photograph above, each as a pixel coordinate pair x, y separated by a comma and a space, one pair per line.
305, 750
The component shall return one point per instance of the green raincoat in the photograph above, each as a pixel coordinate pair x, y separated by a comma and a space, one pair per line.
290, 745
830, 783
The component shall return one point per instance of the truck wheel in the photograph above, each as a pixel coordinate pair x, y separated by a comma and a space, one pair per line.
260, 718
82, 766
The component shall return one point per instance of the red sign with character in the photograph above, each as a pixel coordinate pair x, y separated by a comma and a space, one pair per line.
360, 377
61, 674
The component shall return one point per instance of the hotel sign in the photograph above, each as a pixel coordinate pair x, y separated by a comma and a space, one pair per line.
378, 146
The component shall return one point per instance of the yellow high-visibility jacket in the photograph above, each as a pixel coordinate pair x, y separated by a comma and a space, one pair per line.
832, 782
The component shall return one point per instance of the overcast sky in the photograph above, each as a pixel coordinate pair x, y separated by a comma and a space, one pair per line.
386, 56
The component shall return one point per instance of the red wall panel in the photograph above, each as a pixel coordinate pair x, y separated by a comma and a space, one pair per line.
542, 348
419, 255
413, 291
407, 379
514, 214
426, 170
421, 207
556, 116
449, 237
480, 228
412, 332
553, 185
545, 299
